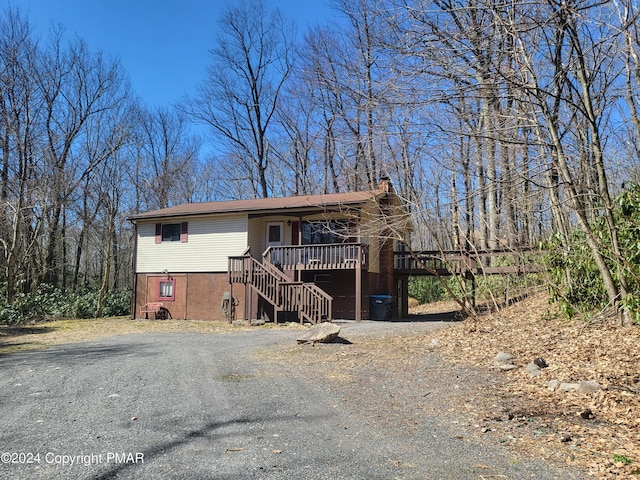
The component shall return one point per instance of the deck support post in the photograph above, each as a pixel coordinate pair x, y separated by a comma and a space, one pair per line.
358, 299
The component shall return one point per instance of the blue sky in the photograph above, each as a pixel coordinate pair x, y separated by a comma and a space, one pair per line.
162, 44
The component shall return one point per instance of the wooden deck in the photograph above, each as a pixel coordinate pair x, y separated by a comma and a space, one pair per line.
353, 256
271, 277
485, 262
342, 256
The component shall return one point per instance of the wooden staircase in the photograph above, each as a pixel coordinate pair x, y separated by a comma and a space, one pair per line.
311, 303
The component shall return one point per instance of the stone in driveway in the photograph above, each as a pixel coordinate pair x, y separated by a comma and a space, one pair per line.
320, 333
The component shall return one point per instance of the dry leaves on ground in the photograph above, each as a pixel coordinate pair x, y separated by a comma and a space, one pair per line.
599, 432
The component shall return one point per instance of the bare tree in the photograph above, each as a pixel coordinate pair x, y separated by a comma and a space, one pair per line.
569, 86
167, 154
346, 73
76, 86
21, 182
299, 155
318, 81
56, 98
251, 63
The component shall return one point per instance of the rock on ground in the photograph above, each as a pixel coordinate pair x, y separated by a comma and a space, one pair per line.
320, 333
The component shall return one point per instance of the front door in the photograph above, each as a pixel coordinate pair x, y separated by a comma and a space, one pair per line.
275, 235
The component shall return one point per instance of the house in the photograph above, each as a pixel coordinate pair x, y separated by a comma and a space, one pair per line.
306, 258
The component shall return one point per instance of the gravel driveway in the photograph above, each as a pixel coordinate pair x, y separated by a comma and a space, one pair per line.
193, 405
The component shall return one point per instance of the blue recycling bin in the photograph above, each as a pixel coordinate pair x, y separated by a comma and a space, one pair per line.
381, 307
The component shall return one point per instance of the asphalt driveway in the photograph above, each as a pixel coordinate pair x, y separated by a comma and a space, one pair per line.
203, 406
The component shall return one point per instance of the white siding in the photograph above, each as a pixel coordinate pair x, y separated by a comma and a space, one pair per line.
211, 240
256, 237
258, 233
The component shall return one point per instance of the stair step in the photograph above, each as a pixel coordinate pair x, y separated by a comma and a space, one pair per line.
270, 279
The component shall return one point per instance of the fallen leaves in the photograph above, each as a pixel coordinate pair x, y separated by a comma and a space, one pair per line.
587, 430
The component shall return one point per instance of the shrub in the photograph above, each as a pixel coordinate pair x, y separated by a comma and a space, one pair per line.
576, 282
117, 303
426, 289
85, 304
49, 303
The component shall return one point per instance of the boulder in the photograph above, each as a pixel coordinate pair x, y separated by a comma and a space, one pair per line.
533, 369
589, 386
503, 358
553, 385
541, 362
587, 414
567, 387
320, 333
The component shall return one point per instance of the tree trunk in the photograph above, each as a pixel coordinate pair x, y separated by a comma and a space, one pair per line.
104, 287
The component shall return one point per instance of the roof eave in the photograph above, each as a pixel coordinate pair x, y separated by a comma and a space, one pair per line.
282, 210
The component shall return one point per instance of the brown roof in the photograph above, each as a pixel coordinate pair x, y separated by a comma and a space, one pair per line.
262, 204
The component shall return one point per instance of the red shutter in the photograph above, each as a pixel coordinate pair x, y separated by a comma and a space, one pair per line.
158, 233
295, 233
184, 232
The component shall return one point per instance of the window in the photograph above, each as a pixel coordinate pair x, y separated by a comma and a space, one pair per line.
274, 232
166, 289
172, 232
318, 233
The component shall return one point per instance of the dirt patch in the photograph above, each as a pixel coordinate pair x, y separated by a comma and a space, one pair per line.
438, 308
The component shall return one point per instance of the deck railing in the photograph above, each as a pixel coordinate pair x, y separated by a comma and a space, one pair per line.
499, 261
432, 260
310, 302
263, 277
319, 257
313, 304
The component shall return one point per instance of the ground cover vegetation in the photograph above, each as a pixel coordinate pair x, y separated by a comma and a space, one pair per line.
503, 125
47, 303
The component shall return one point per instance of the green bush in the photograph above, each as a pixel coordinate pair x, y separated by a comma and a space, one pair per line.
426, 289
576, 283
117, 303
10, 316
44, 303
49, 303
85, 304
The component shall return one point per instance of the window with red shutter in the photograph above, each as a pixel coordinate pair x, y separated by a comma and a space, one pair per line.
172, 232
